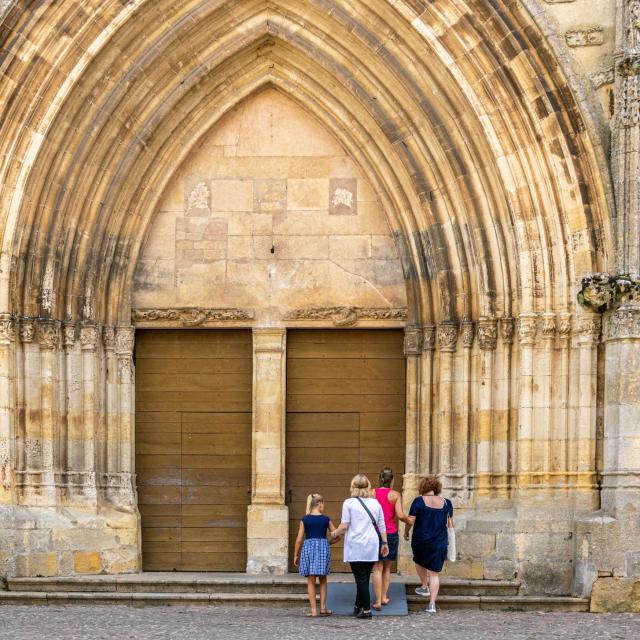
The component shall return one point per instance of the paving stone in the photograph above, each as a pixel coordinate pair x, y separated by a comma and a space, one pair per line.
102, 622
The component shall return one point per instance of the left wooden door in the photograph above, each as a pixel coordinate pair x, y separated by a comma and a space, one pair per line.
193, 448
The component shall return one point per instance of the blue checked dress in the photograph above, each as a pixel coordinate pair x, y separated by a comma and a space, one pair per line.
315, 557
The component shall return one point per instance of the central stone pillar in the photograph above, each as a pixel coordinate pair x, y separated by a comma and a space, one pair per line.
268, 516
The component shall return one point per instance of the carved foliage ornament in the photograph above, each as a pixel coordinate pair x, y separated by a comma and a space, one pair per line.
527, 329
69, 333
190, 317
412, 341
429, 338
447, 336
48, 334
622, 323
487, 333
347, 316
7, 328
125, 337
507, 329
468, 333
89, 337
589, 328
27, 330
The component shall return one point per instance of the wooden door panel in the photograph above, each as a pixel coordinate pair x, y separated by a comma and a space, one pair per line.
193, 448
345, 415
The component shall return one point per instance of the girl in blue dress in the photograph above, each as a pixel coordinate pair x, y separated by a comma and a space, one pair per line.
315, 559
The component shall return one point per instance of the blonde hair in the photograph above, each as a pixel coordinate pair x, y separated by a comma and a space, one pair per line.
313, 500
360, 486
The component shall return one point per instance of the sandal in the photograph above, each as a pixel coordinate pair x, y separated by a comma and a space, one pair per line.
376, 607
311, 615
326, 612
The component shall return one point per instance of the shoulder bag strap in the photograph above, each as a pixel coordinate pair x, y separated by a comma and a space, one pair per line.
373, 520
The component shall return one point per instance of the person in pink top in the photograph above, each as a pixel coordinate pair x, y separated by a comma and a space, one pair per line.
391, 503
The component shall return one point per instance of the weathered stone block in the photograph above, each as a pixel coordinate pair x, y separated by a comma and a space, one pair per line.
616, 595
35, 565
86, 562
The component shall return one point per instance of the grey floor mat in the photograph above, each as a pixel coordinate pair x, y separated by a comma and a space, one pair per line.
341, 597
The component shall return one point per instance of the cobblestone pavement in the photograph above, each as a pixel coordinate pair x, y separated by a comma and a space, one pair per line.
101, 622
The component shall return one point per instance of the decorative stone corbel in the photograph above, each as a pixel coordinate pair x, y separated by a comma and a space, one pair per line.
603, 292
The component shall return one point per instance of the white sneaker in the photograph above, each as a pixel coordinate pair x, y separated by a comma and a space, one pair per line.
423, 591
431, 608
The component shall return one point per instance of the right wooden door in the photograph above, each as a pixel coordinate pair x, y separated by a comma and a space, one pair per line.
345, 415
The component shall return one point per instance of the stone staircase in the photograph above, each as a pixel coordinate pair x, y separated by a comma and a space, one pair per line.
258, 591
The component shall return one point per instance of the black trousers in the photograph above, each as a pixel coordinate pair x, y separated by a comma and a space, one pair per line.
362, 573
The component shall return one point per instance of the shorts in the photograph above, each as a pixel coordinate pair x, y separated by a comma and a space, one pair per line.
393, 539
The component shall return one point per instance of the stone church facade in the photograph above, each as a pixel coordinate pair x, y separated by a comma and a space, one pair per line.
251, 248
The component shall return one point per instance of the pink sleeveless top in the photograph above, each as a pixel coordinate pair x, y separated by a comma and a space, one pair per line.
388, 509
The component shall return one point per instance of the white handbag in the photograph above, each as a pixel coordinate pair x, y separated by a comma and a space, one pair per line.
451, 539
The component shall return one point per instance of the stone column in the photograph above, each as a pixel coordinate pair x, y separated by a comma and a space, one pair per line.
487, 338
268, 516
527, 330
447, 341
7, 416
416, 404
74, 413
89, 336
463, 436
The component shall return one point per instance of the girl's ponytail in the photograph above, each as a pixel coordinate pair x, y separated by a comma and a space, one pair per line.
313, 500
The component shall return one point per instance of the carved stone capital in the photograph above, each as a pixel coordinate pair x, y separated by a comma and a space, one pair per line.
564, 325
507, 329
488, 333
7, 328
70, 331
447, 336
622, 323
412, 341
429, 338
527, 328
48, 334
124, 340
27, 330
589, 328
89, 336
468, 334
548, 326
108, 338
269, 340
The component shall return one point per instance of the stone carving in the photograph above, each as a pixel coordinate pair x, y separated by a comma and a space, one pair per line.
342, 197
125, 370
629, 108
603, 77
447, 336
586, 37
589, 327
564, 325
89, 337
125, 338
347, 316
69, 335
468, 333
198, 197
7, 328
601, 291
191, 316
507, 329
548, 328
27, 330
108, 338
622, 323
412, 341
429, 338
48, 334
633, 25
527, 329
487, 333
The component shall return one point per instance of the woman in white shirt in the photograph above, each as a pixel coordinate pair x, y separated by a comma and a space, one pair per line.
365, 539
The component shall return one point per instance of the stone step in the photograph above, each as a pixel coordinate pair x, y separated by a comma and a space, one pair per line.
232, 583
506, 603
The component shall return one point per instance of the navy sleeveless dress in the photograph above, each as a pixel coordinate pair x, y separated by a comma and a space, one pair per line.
315, 558
429, 540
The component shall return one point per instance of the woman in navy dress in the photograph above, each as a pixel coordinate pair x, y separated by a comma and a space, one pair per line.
430, 515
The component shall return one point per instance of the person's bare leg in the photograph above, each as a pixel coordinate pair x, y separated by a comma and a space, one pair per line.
311, 592
376, 578
423, 574
386, 581
434, 586
323, 594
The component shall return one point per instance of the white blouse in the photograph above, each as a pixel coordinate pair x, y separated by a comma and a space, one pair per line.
361, 540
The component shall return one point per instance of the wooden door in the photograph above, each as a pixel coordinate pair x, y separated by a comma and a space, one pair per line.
345, 415
193, 448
